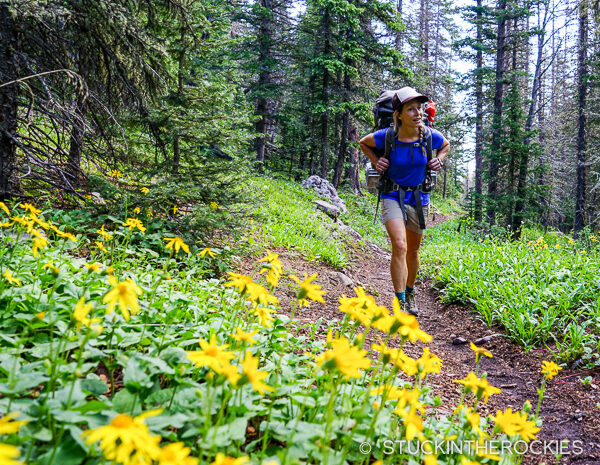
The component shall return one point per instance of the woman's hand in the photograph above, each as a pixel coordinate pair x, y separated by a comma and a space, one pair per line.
382, 164
435, 164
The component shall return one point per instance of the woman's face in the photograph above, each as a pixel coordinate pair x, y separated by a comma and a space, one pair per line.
412, 114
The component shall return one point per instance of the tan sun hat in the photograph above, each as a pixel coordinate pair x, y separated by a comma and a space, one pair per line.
406, 94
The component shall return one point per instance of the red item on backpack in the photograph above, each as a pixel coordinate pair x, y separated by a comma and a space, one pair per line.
430, 110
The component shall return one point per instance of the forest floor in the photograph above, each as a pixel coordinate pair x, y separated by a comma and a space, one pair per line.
569, 409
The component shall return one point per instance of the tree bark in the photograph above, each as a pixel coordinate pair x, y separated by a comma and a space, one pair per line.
578, 218
498, 93
9, 183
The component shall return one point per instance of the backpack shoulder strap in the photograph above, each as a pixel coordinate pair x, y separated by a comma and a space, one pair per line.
389, 142
428, 143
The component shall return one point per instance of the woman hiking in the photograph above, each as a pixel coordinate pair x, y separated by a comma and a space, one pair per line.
406, 170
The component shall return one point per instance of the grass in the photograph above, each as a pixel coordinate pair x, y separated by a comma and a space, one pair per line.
542, 289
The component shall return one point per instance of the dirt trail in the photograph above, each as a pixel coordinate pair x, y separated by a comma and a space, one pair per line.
569, 409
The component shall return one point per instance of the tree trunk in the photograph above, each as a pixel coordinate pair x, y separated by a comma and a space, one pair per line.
578, 218
343, 150
399, 33
498, 93
9, 183
265, 37
177, 141
479, 118
324, 136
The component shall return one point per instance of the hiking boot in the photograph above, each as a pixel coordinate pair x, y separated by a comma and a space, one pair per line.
411, 304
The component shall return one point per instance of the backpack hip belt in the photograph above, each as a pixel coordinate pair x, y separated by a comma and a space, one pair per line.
417, 196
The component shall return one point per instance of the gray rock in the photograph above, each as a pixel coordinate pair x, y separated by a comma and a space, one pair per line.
330, 210
482, 340
326, 190
459, 341
345, 280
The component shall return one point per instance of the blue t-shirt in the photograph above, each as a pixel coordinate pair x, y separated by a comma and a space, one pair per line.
405, 171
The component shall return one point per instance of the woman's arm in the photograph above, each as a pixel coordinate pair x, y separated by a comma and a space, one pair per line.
367, 144
436, 163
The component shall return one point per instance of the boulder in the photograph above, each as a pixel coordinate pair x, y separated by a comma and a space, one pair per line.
329, 209
325, 190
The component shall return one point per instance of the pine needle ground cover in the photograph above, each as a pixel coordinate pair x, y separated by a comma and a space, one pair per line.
108, 358
542, 289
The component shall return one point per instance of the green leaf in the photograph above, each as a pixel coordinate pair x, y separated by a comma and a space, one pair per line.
123, 402
68, 452
93, 384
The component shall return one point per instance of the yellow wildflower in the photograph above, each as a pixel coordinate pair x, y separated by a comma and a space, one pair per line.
62, 234
214, 205
8, 426
512, 423
124, 294
428, 363
149, 214
346, 358
260, 294
409, 326
30, 208
550, 369
222, 459
308, 290
105, 235
8, 224
126, 440
175, 209
273, 268
100, 245
593, 238
479, 351
480, 387
176, 243
4, 208
133, 223
176, 454
206, 251
8, 453
250, 369
137, 210
38, 244
264, 316
412, 422
144, 190
211, 355
12, 280
242, 336
239, 281
231, 372
81, 316
95, 267
571, 241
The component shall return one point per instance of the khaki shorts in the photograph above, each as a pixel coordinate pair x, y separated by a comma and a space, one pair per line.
391, 209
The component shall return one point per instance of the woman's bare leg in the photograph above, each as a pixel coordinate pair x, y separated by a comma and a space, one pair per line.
398, 269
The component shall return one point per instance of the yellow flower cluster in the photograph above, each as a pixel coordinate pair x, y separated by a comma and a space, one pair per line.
273, 268
128, 441
346, 358
218, 359
513, 423
364, 309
